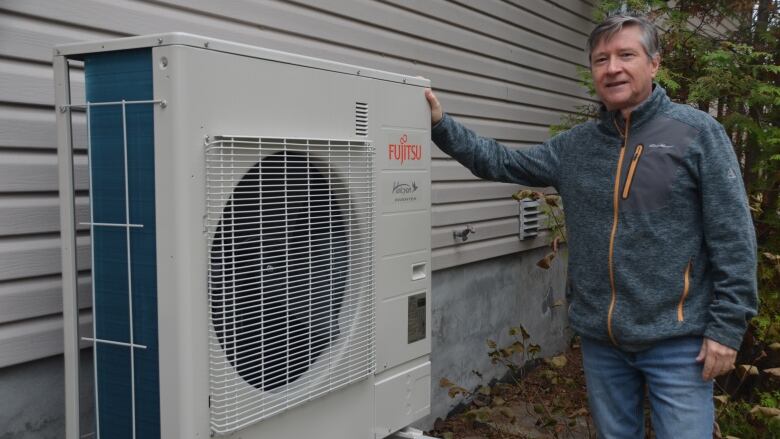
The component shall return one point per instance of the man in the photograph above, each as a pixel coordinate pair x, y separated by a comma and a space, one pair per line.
661, 243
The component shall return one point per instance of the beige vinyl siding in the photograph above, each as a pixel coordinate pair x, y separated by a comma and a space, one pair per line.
505, 68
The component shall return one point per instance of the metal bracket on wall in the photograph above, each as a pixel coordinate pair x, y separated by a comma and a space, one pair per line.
463, 235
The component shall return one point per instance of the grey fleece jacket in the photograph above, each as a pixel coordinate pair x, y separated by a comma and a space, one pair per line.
661, 242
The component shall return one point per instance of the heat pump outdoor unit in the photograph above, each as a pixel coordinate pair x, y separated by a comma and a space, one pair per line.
260, 234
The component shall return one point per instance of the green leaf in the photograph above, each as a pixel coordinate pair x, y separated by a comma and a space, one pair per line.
770, 68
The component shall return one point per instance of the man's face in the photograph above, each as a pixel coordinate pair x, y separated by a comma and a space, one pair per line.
622, 72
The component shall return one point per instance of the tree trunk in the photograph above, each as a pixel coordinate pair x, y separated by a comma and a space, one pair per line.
752, 152
762, 21
772, 196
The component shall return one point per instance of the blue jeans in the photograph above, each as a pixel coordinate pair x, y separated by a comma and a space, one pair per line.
680, 401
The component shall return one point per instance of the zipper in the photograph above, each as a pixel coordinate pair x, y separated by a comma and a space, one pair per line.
686, 288
615, 215
632, 170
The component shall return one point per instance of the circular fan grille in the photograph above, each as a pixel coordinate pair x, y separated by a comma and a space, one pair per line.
278, 265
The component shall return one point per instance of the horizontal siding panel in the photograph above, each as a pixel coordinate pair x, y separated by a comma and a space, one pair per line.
465, 36
37, 338
35, 127
443, 78
139, 18
33, 214
280, 15
455, 192
34, 39
503, 130
478, 22
581, 8
484, 230
478, 251
24, 257
489, 109
565, 16
25, 83
494, 89
472, 211
36, 172
450, 170
511, 12
28, 298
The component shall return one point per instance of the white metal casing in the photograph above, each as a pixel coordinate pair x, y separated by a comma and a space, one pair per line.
213, 88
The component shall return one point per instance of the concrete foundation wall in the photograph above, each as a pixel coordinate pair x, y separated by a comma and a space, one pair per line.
32, 399
480, 301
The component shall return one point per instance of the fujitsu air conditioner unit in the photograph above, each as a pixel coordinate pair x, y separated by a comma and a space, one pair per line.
260, 230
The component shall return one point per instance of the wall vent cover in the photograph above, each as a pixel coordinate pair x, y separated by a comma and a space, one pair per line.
530, 216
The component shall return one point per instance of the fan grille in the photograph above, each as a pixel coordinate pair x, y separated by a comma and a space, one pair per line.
290, 277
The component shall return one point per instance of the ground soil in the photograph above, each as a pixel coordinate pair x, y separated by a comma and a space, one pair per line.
548, 401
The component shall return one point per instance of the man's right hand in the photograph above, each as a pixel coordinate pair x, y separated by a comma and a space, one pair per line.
436, 112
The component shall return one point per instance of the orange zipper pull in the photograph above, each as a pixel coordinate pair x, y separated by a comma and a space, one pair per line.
632, 170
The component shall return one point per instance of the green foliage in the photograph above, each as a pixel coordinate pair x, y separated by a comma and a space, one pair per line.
735, 421
739, 419
668, 79
770, 399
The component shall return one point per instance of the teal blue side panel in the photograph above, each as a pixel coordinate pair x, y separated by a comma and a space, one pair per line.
115, 76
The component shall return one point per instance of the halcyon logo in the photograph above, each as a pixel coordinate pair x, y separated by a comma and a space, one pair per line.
403, 151
404, 192
404, 188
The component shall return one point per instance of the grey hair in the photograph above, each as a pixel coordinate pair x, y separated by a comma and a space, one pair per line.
615, 23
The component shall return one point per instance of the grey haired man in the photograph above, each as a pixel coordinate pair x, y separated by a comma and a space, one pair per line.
662, 251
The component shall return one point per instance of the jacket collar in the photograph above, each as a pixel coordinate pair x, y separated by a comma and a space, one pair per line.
610, 120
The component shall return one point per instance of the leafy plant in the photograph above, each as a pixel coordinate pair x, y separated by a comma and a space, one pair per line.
734, 421
770, 399
514, 355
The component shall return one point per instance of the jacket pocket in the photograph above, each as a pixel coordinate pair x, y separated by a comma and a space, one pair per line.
632, 170
686, 289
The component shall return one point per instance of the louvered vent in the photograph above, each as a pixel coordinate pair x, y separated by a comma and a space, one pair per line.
361, 119
290, 276
530, 218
